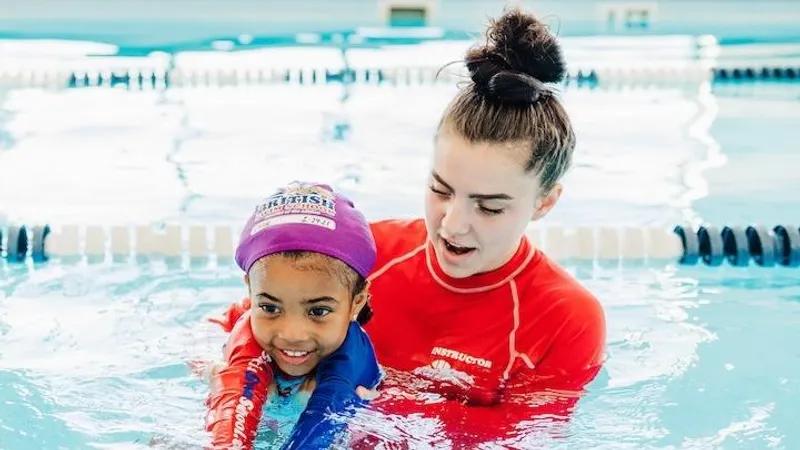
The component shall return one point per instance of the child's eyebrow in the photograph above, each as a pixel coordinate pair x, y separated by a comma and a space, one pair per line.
311, 301
321, 300
264, 295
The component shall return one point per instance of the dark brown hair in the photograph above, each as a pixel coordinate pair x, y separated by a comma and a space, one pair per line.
346, 275
508, 99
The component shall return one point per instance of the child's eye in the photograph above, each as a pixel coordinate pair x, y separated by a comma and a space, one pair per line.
319, 311
270, 309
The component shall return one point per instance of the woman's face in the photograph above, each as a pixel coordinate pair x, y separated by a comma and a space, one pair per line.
300, 311
479, 203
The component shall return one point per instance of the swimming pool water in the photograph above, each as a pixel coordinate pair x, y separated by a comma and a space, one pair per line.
207, 154
95, 355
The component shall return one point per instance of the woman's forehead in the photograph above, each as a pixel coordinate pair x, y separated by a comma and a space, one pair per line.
483, 168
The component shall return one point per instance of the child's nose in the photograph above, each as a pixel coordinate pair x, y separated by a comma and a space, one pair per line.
293, 331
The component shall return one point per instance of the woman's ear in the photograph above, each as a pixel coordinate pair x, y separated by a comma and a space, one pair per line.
547, 202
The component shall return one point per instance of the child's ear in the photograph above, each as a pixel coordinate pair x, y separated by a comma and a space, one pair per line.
359, 301
246, 280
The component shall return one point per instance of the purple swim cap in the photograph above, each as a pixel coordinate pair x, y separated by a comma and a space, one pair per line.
310, 217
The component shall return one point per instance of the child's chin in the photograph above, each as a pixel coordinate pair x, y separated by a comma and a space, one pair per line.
296, 371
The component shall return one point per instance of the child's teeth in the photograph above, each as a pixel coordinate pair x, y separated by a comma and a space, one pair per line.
291, 353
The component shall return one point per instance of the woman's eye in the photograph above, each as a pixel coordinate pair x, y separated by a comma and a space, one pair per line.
490, 211
438, 192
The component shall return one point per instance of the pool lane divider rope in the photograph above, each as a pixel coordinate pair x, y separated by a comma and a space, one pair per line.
706, 245
163, 78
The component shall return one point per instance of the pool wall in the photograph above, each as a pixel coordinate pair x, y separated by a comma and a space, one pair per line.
157, 22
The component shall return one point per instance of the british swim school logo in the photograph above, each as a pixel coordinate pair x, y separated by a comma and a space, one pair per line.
245, 405
299, 203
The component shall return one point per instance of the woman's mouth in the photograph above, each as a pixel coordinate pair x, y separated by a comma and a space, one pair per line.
456, 249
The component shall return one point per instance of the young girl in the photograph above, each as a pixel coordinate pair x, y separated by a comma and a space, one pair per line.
306, 253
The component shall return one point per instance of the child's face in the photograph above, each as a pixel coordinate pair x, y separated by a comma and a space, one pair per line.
300, 311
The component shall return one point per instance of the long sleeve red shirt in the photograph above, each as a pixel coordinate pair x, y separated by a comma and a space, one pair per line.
498, 349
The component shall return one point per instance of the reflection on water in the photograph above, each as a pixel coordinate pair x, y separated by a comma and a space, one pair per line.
98, 355
646, 155
206, 154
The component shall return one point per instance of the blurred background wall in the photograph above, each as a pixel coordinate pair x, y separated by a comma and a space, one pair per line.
143, 21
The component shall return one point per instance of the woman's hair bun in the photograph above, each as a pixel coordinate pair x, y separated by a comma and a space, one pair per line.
519, 56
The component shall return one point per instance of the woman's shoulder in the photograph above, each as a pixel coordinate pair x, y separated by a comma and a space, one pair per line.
396, 238
398, 233
391, 226
548, 282
570, 315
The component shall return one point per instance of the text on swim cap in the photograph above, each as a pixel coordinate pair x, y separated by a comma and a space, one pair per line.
290, 203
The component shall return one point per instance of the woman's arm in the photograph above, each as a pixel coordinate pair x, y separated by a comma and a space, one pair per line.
548, 391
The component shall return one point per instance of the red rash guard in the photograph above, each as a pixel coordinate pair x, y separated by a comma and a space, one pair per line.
240, 388
498, 342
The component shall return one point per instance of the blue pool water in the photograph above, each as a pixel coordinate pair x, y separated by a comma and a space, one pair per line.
94, 355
